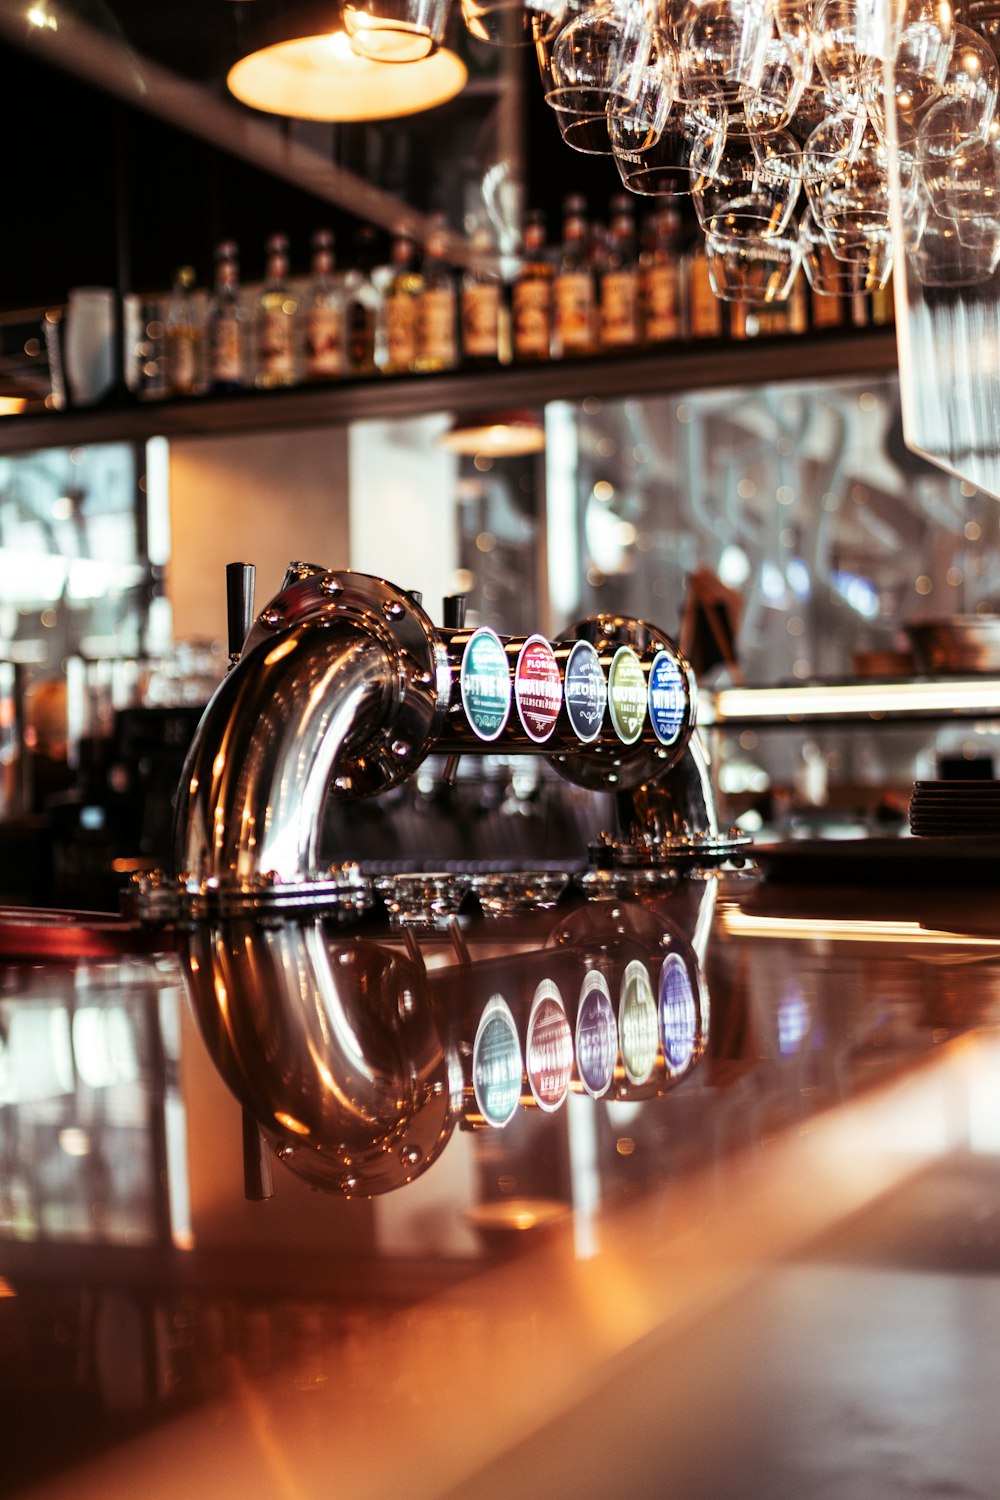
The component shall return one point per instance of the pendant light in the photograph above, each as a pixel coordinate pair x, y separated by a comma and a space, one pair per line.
296, 61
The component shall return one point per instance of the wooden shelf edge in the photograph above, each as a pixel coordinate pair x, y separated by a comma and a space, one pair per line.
680, 367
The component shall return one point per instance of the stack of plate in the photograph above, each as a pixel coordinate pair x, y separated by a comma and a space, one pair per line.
942, 808
964, 643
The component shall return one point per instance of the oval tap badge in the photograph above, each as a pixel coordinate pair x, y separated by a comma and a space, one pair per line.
549, 1050
596, 1035
537, 688
678, 1014
667, 697
627, 695
586, 692
496, 1063
638, 1028
485, 683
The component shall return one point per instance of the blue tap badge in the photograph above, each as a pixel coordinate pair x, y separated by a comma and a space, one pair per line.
667, 697
678, 1013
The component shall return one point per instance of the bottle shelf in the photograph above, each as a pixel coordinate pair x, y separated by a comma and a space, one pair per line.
688, 365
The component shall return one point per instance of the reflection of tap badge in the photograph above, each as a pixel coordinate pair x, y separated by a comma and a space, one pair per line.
586, 691
627, 695
485, 684
678, 1013
667, 697
537, 689
496, 1063
550, 1048
637, 1027
596, 1035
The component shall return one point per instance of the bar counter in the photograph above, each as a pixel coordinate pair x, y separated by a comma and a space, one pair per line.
774, 1276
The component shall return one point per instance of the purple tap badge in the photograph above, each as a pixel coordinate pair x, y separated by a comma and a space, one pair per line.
549, 1049
678, 1013
637, 1023
596, 1035
586, 692
496, 1063
537, 688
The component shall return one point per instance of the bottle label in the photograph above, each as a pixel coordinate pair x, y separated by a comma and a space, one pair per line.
706, 309
323, 341
485, 683
537, 688
225, 365
276, 353
627, 695
401, 331
678, 1014
436, 325
481, 319
575, 307
586, 691
667, 697
619, 308
182, 360
661, 303
596, 1035
360, 321
532, 308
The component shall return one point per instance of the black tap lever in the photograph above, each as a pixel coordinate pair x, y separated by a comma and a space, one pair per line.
239, 605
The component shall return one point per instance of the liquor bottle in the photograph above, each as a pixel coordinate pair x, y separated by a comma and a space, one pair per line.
705, 311
531, 294
574, 294
183, 329
323, 314
361, 304
619, 280
437, 305
224, 324
827, 310
660, 279
277, 316
398, 336
883, 303
482, 306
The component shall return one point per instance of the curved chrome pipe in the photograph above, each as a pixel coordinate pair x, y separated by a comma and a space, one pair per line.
268, 746
334, 1049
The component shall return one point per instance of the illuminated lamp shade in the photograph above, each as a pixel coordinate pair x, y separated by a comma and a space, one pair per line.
320, 77
497, 434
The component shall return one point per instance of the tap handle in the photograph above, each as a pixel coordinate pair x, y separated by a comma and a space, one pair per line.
454, 611
239, 604
257, 1181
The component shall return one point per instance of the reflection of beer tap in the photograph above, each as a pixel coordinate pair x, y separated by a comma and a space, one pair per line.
358, 1060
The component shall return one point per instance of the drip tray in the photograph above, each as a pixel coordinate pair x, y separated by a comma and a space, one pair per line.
965, 858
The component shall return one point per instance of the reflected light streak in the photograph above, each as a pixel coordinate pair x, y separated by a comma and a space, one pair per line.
854, 698
283, 649
744, 924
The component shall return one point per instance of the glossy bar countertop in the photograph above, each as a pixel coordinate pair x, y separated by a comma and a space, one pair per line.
774, 1275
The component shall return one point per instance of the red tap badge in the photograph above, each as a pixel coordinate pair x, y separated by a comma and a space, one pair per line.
537, 688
